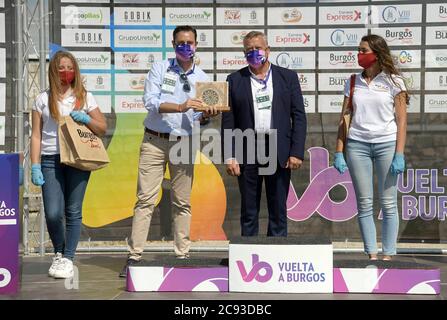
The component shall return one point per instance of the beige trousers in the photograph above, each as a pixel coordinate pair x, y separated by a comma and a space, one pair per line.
154, 155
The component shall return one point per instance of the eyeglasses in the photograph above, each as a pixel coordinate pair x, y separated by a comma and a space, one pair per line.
184, 79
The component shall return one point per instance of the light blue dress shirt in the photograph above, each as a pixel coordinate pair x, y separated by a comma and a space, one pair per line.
179, 124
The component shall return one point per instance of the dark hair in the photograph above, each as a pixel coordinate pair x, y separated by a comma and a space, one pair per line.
186, 29
379, 46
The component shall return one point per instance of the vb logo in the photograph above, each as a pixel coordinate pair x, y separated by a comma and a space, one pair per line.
316, 197
255, 272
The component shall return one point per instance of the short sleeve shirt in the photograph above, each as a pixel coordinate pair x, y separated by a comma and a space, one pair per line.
50, 141
374, 119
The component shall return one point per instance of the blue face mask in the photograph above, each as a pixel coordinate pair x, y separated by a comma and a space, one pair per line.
255, 58
184, 52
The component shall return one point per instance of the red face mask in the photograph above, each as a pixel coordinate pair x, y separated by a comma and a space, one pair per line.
66, 76
366, 60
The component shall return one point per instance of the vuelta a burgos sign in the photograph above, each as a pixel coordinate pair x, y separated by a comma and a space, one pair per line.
422, 196
9, 223
280, 268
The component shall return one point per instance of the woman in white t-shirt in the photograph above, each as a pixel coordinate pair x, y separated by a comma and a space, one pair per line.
376, 139
63, 187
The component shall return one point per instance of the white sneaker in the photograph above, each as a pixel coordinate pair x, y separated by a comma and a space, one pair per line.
56, 260
64, 270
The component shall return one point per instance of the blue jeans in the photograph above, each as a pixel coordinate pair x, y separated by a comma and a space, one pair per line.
63, 193
361, 157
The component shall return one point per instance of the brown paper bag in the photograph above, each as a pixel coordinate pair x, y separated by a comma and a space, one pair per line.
80, 147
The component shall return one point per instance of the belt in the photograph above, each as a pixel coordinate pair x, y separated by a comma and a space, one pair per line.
159, 134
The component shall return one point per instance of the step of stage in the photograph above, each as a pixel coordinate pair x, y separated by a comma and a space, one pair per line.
280, 264
173, 274
396, 277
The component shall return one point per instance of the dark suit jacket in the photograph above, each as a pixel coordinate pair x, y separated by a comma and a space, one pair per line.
288, 115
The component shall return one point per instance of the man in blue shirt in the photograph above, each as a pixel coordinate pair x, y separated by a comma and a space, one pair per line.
169, 93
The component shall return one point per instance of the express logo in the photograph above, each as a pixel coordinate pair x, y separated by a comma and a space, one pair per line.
291, 38
339, 38
255, 272
316, 197
349, 15
291, 15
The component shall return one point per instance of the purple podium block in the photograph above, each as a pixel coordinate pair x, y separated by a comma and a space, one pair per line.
373, 279
192, 275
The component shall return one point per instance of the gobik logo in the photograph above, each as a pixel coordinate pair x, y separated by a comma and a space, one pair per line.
316, 197
255, 272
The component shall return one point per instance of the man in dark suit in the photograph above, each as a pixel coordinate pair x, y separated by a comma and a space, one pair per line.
265, 99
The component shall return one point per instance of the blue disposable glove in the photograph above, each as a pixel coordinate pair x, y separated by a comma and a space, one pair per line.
36, 175
398, 164
20, 175
81, 117
339, 162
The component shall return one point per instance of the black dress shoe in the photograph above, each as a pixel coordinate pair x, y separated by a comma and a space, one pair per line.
130, 262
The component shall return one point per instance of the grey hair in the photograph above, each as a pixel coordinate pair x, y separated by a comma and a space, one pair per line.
254, 34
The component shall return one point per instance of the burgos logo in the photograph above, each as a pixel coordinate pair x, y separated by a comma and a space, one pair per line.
443, 11
255, 272
339, 38
392, 14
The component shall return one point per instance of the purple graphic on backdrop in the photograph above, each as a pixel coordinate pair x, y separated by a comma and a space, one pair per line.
9, 224
316, 197
255, 272
428, 201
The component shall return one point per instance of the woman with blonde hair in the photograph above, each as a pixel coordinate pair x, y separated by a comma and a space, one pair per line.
63, 187
376, 139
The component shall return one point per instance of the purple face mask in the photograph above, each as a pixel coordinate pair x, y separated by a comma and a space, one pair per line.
184, 52
255, 58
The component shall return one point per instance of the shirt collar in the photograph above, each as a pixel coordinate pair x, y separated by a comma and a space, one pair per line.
255, 77
175, 66
381, 74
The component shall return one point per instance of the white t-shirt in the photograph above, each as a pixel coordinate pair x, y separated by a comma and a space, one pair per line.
50, 141
374, 120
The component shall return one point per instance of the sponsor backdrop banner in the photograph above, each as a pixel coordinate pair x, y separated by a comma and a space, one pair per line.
116, 43
9, 223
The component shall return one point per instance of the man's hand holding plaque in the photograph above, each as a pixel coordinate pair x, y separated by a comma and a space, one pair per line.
214, 96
